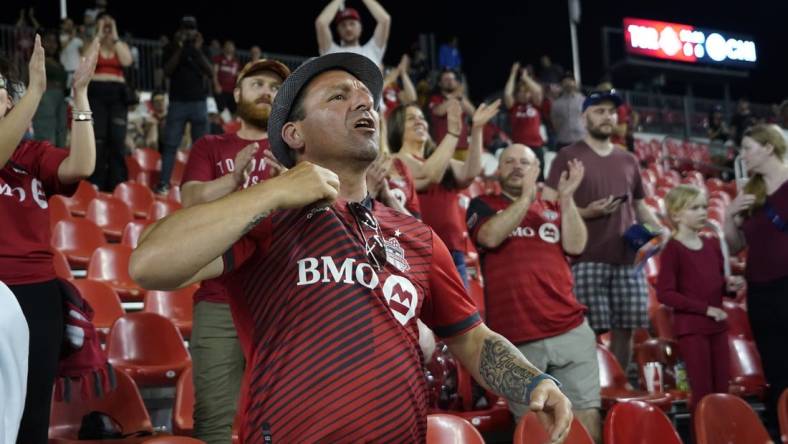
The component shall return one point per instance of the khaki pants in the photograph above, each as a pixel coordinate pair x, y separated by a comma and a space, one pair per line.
218, 368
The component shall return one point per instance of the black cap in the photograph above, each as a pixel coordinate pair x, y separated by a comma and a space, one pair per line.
597, 97
358, 65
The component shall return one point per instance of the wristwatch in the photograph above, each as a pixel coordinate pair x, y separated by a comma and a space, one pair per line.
535, 382
83, 116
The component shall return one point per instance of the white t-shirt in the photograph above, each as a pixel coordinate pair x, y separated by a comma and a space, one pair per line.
70, 55
370, 49
14, 344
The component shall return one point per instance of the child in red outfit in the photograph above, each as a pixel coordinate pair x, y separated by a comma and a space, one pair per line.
692, 282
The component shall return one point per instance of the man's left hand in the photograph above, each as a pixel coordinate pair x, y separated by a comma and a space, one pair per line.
553, 409
571, 178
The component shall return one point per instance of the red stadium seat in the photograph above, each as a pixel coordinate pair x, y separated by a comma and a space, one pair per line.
133, 231
738, 321
148, 159
138, 197
124, 404
174, 195
183, 409
782, 414
747, 377
174, 305
450, 429
149, 348
615, 388
79, 201
638, 422
62, 268
723, 418
104, 301
177, 173
110, 263
58, 210
77, 239
161, 209
111, 215
493, 418
530, 431
133, 168
663, 322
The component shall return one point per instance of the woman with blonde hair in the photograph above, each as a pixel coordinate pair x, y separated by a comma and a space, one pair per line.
758, 219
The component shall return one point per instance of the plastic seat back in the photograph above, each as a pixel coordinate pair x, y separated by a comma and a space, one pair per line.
162, 209
183, 409
137, 196
58, 210
638, 422
174, 305
610, 373
77, 239
723, 418
132, 232
104, 301
530, 431
111, 214
145, 339
79, 201
449, 429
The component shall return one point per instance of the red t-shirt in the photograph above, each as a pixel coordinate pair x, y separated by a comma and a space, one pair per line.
441, 210
623, 112
767, 255
26, 182
528, 282
525, 121
228, 71
391, 98
691, 281
440, 124
404, 190
212, 157
335, 345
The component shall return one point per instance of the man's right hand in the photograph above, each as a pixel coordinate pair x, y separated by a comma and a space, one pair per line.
304, 184
37, 69
601, 207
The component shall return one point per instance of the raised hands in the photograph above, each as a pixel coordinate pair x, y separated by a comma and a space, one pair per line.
485, 112
571, 178
87, 67
37, 68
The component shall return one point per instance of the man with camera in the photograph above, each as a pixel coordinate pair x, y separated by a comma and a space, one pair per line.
188, 70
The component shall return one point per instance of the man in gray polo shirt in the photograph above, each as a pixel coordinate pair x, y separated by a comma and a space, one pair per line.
567, 112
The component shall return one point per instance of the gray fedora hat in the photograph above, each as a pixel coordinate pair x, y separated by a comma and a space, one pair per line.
358, 65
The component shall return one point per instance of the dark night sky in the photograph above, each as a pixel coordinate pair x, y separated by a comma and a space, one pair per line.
492, 33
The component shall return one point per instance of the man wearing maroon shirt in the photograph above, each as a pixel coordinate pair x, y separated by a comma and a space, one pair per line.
610, 200
225, 71
450, 88
522, 241
523, 98
219, 165
334, 282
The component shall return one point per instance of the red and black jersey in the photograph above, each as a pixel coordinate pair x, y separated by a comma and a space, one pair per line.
335, 343
26, 182
528, 282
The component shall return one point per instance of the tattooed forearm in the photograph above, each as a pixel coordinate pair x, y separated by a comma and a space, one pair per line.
255, 220
504, 368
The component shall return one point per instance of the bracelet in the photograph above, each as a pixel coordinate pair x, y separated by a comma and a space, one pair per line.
82, 116
534, 382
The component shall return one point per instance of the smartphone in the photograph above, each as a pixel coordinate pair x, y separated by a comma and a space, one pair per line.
623, 198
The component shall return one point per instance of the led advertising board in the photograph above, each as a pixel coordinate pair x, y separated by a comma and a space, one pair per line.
687, 43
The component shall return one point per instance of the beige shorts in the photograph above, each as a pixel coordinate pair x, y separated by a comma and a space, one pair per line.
570, 358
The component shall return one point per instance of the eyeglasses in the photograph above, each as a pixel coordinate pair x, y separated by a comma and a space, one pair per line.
374, 246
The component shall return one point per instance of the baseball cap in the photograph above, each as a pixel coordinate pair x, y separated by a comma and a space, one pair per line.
358, 65
346, 14
597, 97
272, 65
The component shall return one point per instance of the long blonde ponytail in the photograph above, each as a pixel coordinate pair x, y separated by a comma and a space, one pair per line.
764, 134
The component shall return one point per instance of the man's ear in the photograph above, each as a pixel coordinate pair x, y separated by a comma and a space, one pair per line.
291, 134
237, 94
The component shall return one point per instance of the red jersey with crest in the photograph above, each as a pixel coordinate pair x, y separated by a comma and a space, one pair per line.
228, 68
26, 182
525, 121
404, 189
212, 157
441, 210
335, 352
440, 124
527, 279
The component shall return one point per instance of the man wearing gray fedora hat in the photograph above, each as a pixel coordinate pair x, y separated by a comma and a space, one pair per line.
332, 283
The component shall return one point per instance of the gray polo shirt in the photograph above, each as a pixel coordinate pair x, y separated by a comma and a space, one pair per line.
566, 117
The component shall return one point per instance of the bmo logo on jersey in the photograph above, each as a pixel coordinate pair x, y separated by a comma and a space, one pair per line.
37, 193
548, 232
399, 292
